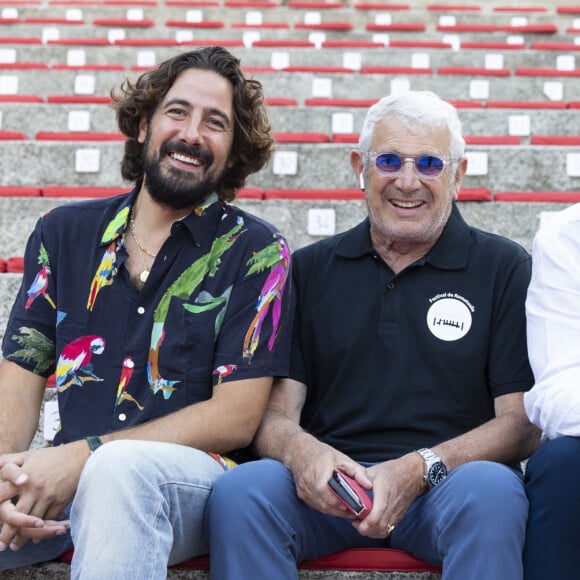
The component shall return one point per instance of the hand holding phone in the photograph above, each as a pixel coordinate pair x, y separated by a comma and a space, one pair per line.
351, 494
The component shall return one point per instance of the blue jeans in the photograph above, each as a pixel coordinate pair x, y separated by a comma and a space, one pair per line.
473, 524
139, 507
553, 487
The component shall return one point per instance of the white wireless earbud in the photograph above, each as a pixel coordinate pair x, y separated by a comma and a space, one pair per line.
362, 181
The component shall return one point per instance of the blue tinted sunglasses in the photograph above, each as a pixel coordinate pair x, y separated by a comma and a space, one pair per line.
426, 166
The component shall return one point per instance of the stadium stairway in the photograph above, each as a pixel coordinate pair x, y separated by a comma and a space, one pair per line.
510, 67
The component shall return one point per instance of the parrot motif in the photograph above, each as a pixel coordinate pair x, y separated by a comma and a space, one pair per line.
183, 288
107, 268
122, 394
277, 257
74, 365
104, 274
224, 371
40, 283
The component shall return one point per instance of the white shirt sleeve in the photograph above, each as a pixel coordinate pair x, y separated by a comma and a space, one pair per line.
553, 326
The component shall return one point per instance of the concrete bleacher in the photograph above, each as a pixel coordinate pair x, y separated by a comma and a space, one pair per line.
510, 66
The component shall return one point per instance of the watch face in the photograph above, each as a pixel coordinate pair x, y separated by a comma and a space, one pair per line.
437, 473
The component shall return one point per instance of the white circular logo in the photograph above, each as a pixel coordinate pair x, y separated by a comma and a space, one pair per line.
449, 319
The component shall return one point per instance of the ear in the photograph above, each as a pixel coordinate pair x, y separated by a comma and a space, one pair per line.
459, 175
142, 130
357, 165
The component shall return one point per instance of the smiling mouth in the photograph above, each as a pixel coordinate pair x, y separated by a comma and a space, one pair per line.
411, 204
196, 161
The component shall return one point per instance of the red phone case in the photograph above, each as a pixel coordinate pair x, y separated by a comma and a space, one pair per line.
351, 494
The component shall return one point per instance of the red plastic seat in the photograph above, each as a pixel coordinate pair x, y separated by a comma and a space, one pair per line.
80, 191
21, 99
313, 194
12, 136
15, 264
327, 102
473, 71
546, 72
474, 194
397, 27
565, 140
19, 191
301, 137
79, 99
492, 140
79, 136
353, 560
538, 196
525, 105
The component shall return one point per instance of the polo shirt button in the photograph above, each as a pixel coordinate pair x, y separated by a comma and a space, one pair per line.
141, 310
390, 285
122, 417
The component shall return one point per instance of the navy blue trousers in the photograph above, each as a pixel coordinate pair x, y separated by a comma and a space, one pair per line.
552, 480
473, 524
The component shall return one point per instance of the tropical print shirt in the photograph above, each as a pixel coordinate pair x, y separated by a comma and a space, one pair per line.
215, 308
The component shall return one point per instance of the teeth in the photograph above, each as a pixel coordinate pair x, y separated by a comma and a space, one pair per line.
407, 204
185, 159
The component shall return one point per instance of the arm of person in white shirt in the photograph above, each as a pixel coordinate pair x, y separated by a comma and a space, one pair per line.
553, 327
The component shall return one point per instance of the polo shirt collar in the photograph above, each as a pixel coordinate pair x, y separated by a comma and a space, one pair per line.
450, 252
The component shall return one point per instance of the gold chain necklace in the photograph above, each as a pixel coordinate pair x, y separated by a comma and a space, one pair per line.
142, 249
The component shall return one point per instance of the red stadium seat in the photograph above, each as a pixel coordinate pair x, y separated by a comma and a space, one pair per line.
19, 191
538, 196
313, 194
79, 136
555, 140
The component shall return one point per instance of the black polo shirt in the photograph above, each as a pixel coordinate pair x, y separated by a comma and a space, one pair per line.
397, 362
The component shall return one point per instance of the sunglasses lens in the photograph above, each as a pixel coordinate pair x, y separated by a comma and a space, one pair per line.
388, 162
429, 165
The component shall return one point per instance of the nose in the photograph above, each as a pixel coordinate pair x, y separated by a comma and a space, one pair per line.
408, 177
192, 131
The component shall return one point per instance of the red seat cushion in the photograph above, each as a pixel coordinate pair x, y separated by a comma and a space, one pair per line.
492, 140
555, 140
15, 264
79, 99
473, 71
74, 191
539, 196
474, 194
79, 136
301, 137
19, 191
12, 136
525, 105
356, 559
250, 193
313, 194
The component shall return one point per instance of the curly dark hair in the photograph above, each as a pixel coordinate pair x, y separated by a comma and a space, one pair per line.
252, 139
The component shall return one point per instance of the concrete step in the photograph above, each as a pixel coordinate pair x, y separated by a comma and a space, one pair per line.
56, 571
294, 166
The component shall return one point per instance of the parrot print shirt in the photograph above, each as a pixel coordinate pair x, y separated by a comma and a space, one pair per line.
215, 308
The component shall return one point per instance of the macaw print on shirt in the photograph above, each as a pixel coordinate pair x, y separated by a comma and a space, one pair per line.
275, 256
183, 288
40, 283
74, 365
107, 270
122, 394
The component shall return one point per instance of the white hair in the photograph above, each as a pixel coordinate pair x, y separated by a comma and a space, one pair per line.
412, 108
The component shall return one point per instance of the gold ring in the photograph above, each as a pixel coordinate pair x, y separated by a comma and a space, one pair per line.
390, 528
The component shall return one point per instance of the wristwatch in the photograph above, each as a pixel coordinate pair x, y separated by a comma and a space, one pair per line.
435, 470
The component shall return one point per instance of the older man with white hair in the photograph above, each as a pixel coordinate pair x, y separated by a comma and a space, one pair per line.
408, 370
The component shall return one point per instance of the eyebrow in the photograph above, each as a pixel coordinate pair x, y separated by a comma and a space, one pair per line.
188, 105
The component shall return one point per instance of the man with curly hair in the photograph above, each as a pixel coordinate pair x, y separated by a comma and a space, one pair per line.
162, 314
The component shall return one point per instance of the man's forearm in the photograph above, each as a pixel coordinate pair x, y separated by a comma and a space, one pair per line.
507, 439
